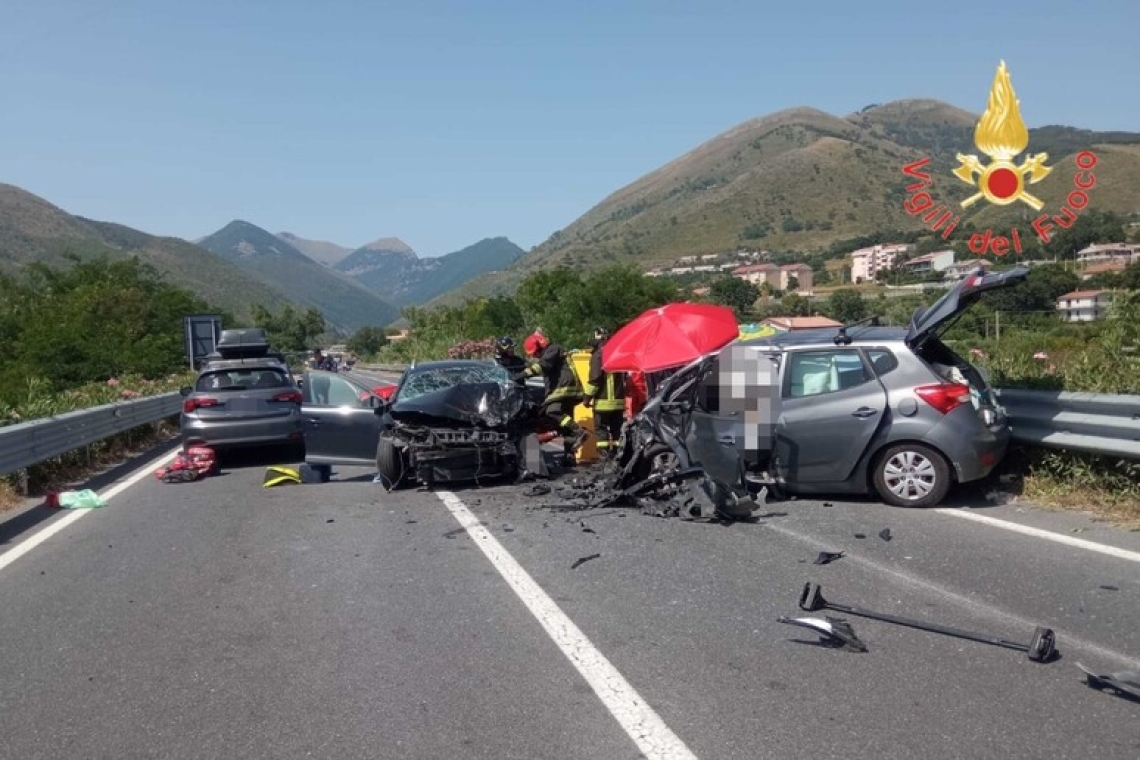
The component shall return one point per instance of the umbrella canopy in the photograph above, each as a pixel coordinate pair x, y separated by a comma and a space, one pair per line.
669, 336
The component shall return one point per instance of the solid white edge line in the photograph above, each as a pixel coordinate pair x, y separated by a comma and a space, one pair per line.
644, 726
1080, 543
25, 546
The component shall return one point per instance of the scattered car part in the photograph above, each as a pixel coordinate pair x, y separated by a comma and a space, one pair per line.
1041, 648
583, 561
834, 632
825, 558
1125, 682
885, 534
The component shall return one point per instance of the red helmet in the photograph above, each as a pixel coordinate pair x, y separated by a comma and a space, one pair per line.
535, 343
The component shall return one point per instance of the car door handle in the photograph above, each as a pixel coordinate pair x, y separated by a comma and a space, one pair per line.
727, 440
313, 421
864, 412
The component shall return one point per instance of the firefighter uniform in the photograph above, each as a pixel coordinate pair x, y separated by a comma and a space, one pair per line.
605, 393
563, 391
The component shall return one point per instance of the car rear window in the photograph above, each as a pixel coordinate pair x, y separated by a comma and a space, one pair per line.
242, 379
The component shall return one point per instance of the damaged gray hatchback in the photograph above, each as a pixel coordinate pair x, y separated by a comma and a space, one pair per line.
860, 409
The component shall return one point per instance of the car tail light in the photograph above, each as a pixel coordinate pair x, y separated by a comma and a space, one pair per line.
190, 404
292, 396
945, 397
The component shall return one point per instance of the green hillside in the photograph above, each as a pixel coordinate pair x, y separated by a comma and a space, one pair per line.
800, 180
31, 229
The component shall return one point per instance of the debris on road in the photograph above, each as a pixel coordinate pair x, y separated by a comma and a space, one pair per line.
860, 535
885, 534
583, 561
825, 558
1041, 648
1111, 588
1124, 683
85, 499
833, 632
195, 463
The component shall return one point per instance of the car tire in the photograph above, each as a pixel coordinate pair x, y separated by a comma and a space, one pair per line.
390, 462
911, 475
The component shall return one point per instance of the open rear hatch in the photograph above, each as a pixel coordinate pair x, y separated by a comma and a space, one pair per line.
931, 321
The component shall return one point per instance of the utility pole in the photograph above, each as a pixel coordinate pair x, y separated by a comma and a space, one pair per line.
997, 327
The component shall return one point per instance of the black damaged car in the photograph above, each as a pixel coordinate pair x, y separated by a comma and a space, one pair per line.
447, 421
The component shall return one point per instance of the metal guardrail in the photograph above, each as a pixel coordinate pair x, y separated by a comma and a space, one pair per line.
1094, 423
33, 442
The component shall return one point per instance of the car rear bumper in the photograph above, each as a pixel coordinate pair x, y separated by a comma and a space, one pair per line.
974, 452
242, 433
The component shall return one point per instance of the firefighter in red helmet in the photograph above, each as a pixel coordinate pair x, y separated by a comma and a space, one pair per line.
563, 391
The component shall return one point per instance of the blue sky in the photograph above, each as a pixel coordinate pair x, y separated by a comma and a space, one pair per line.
446, 122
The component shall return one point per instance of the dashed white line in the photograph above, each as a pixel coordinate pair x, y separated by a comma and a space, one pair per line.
1080, 543
25, 546
653, 738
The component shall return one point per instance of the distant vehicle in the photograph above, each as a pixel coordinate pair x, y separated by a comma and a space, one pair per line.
447, 421
862, 409
244, 397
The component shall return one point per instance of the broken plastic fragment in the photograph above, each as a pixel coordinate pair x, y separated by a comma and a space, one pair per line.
827, 557
1126, 683
584, 560
885, 534
833, 632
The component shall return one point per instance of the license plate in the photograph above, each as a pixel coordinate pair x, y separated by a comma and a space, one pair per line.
243, 405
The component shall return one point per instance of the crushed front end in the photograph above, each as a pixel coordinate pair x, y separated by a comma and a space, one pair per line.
468, 432
655, 466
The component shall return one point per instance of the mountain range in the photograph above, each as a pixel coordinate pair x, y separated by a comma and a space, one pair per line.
31, 229
801, 179
242, 264
391, 269
345, 303
793, 182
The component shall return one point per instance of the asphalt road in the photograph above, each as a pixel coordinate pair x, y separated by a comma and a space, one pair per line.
223, 619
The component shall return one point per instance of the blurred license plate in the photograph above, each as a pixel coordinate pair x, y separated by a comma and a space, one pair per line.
243, 405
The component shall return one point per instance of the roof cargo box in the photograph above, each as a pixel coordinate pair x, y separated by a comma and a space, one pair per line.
247, 343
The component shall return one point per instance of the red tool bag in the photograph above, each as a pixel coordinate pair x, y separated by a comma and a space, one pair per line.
192, 464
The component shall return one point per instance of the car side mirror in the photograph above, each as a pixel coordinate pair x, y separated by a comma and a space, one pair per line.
185, 390
376, 402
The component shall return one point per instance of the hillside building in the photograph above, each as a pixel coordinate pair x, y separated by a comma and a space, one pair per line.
758, 274
930, 262
1084, 305
1127, 253
866, 263
803, 275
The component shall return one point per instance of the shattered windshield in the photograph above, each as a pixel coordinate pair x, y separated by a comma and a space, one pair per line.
422, 382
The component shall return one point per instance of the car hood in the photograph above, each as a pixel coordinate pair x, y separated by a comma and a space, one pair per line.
485, 405
927, 321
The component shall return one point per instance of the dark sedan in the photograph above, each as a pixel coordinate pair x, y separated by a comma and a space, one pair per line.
447, 421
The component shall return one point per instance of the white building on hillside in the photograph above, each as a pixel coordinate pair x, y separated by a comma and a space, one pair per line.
930, 262
1109, 252
1084, 305
866, 263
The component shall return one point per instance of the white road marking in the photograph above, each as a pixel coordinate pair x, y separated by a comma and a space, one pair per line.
1080, 543
644, 726
25, 546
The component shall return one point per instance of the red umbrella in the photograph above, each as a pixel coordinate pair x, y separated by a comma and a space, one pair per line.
669, 336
